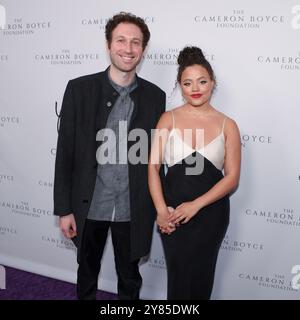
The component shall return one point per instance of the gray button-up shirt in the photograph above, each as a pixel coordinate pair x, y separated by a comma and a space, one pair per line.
110, 200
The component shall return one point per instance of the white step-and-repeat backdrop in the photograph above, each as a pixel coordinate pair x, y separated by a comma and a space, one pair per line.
253, 47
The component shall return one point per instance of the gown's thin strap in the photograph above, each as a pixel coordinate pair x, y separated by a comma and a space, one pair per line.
224, 124
173, 118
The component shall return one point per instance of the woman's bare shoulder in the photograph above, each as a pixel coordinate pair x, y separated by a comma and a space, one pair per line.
228, 120
165, 120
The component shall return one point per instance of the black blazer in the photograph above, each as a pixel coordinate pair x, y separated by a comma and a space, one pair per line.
86, 105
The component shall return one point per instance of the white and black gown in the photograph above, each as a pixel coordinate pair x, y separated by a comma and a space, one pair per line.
191, 250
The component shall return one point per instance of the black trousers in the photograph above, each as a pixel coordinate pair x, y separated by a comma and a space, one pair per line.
93, 243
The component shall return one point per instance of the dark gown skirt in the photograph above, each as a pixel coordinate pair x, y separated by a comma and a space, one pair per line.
191, 250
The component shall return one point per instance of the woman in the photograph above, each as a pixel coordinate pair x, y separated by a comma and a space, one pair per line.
193, 206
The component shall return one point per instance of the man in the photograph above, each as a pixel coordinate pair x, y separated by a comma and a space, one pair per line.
90, 198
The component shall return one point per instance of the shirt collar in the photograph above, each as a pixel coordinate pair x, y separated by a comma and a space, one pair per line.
126, 89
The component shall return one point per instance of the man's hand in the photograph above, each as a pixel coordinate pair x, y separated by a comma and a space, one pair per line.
67, 225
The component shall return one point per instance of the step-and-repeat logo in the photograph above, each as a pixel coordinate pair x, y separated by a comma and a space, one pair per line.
20, 27
255, 139
26, 209
3, 58
157, 262
100, 22
66, 57
45, 184
7, 231
282, 62
9, 120
60, 243
239, 19
285, 217
6, 178
168, 56
276, 281
235, 245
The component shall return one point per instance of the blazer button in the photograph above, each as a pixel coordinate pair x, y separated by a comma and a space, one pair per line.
115, 93
85, 201
109, 104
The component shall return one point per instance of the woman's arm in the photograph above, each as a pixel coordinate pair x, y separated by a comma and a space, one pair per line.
155, 160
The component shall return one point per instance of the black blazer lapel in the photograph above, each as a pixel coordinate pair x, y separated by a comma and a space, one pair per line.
107, 97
